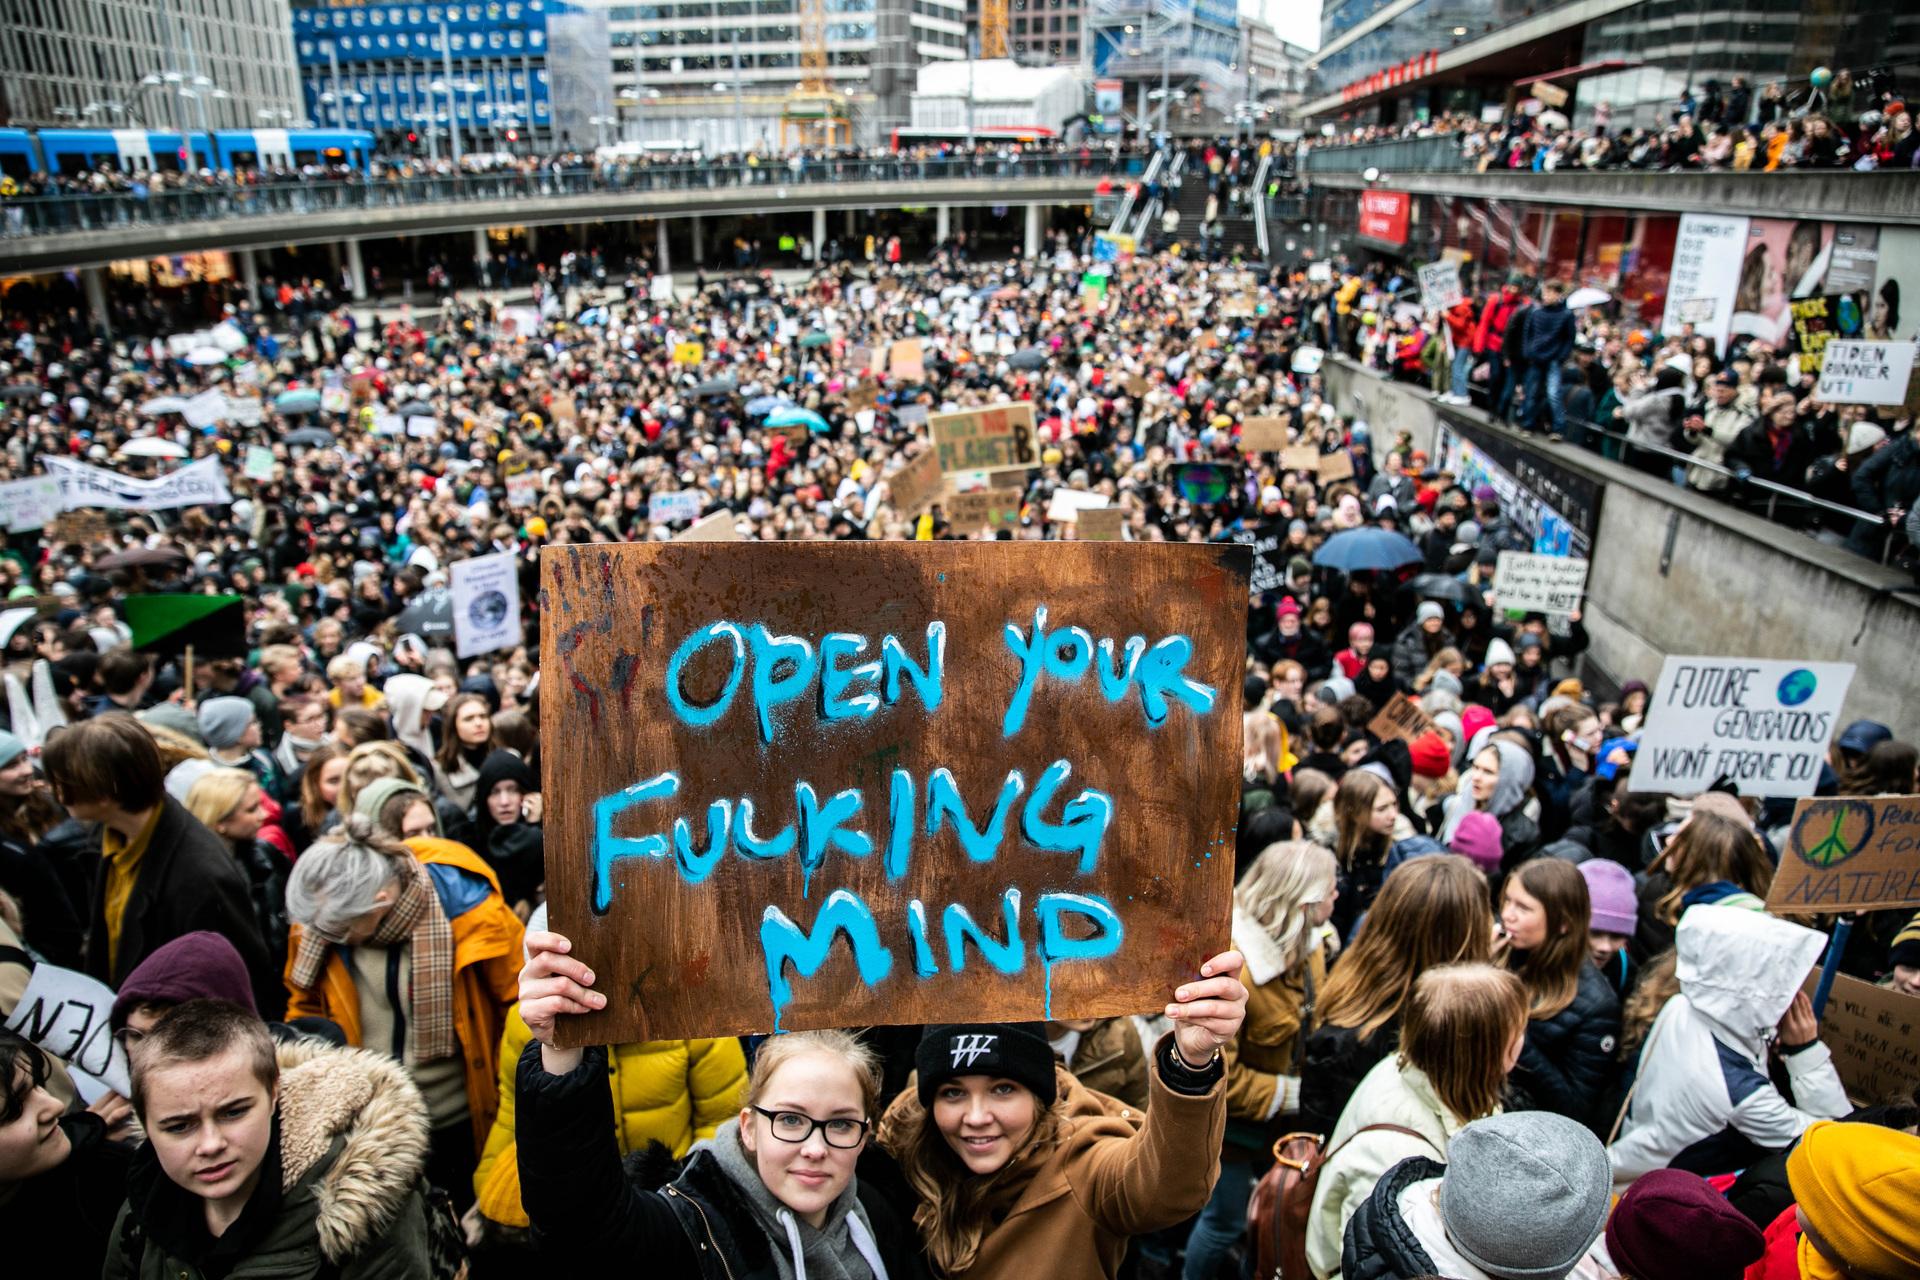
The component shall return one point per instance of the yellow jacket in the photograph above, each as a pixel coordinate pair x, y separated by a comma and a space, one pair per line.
675, 1092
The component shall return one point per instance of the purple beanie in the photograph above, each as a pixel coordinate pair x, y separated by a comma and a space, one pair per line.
1477, 838
1610, 885
1672, 1225
194, 966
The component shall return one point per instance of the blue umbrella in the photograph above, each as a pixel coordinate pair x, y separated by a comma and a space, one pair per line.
299, 400
1356, 550
792, 415
761, 405
592, 316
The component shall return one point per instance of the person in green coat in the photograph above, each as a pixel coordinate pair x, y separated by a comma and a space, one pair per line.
297, 1160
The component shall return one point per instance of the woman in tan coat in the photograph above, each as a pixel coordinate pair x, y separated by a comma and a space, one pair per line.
1021, 1171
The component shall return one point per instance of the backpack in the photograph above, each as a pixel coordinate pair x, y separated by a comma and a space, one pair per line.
1283, 1201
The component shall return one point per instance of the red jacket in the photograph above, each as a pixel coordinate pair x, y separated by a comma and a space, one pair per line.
1460, 324
1781, 1261
1492, 331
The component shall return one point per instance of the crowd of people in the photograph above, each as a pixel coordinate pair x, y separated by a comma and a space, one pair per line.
1847, 122
1502, 986
1676, 405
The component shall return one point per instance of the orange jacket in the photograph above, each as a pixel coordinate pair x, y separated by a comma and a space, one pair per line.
486, 982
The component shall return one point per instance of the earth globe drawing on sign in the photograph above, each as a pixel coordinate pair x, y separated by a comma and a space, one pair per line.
488, 610
1797, 686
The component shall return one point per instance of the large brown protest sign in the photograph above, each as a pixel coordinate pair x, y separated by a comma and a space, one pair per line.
1849, 853
1101, 524
1874, 1035
1263, 435
1400, 718
1337, 465
997, 438
1300, 457
832, 784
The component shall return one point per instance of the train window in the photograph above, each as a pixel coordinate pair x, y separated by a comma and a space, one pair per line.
15, 165
303, 158
244, 159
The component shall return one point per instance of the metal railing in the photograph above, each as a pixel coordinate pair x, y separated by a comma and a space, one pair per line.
1119, 226
1438, 154
1260, 206
40, 214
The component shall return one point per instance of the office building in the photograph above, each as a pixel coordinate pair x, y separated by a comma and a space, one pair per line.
512, 76
153, 64
1189, 47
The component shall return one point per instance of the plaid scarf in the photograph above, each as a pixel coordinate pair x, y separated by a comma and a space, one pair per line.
416, 917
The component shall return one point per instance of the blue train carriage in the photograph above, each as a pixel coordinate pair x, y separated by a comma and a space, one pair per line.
76, 151
19, 159
293, 148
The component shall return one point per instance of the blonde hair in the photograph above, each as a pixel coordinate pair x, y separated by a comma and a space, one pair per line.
780, 1050
216, 796
1658, 983
369, 762
1287, 878
1459, 1024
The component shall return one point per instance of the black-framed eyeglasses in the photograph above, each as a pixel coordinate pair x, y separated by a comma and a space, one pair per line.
795, 1126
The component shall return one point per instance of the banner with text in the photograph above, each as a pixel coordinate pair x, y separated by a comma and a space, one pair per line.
197, 484
1539, 584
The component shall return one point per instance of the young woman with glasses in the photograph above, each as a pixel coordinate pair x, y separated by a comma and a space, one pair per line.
773, 1196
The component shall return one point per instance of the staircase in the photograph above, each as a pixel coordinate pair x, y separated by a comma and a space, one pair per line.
1240, 233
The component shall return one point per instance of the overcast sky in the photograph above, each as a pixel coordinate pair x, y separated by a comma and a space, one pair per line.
1296, 20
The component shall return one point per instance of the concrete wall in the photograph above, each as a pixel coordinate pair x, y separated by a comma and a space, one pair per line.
1731, 583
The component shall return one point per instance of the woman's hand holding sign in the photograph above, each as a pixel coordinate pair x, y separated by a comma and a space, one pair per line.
1207, 1013
553, 983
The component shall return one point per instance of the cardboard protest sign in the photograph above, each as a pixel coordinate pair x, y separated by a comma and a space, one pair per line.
1813, 327
1853, 853
486, 604
1865, 372
679, 504
1400, 718
997, 438
1065, 506
1539, 584
911, 782
259, 463
689, 352
1101, 524
1874, 1036
1300, 457
1337, 465
905, 361
991, 508
1138, 386
564, 408
660, 289
66, 1014
1307, 359
718, 527
1440, 285
916, 486
34, 502
1263, 435
1761, 723
523, 490
79, 526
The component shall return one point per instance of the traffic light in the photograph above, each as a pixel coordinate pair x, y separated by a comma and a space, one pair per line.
513, 135
412, 137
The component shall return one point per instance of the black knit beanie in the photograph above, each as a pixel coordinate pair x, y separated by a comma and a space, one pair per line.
1004, 1049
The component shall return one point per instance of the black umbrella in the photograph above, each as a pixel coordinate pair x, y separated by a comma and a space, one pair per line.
309, 437
1028, 358
1440, 586
415, 409
20, 391
143, 558
716, 387
430, 617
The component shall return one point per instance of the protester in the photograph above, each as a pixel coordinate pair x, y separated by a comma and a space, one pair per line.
504, 828
27, 873
164, 873
231, 804
298, 1157
1573, 1016
1431, 911
1365, 813
411, 950
61, 1181
1703, 1100
1614, 918
1465, 1027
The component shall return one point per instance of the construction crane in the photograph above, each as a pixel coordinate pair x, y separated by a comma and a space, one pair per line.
815, 116
993, 28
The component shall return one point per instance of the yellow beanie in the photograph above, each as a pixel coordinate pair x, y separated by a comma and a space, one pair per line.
1856, 1186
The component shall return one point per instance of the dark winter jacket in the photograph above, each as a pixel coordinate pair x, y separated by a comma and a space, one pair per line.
1754, 451
1549, 336
517, 850
588, 1218
188, 880
1410, 652
1568, 1060
1336, 1059
53, 927
1380, 1244
1890, 478
60, 1222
